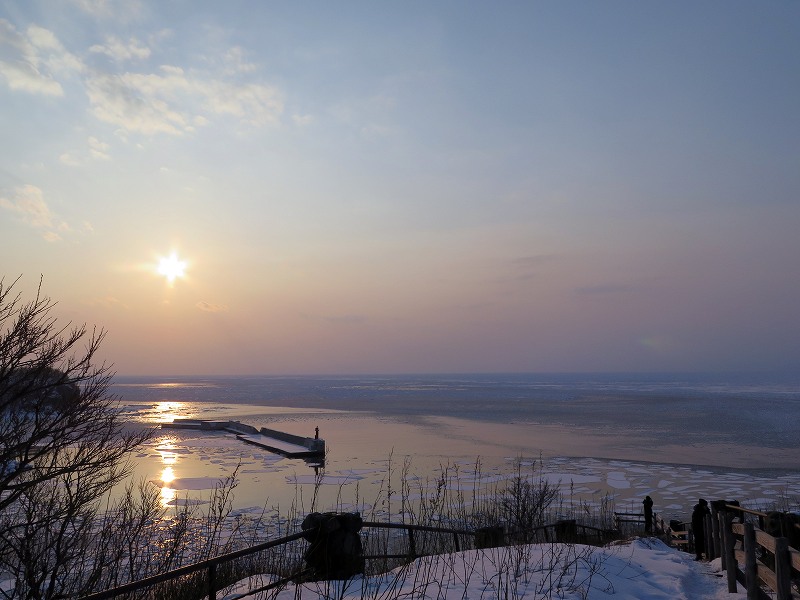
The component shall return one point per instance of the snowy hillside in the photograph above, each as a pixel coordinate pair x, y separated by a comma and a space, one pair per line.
645, 569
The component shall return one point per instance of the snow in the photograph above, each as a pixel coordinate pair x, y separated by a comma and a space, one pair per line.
643, 569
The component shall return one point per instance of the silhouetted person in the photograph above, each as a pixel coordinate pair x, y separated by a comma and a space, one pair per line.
316, 433
648, 514
699, 527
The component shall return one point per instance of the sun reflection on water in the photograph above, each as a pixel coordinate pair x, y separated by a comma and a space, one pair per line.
166, 449
168, 496
167, 475
167, 412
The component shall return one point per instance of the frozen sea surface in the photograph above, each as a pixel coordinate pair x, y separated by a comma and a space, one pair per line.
671, 437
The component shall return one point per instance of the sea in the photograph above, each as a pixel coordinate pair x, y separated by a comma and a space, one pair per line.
601, 437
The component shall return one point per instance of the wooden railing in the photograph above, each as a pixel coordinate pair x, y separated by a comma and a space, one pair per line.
621, 519
210, 566
764, 559
562, 531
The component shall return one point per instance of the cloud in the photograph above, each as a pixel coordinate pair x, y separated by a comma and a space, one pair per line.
121, 51
254, 103
29, 205
302, 120
208, 307
170, 100
127, 101
235, 61
119, 10
529, 267
375, 130
51, 236
70, 159
43, 38
174, 102
98, 150
109, 302
29, 61
20, 64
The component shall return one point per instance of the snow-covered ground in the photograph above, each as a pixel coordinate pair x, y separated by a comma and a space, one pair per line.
644, 569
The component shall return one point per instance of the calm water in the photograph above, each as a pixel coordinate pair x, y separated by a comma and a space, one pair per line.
744, 410
610, 432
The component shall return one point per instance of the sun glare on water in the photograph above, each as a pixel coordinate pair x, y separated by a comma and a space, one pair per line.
172, 267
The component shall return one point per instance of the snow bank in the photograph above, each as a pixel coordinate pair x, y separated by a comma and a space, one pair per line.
645, 569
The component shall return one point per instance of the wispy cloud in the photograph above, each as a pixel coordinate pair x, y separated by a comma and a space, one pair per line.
529, 267
29, 62
174, 102
109, 302
121, 51
170, 100
209, 307
28, 204
97, 150
236, 61
119, 10
302, 120
71, 159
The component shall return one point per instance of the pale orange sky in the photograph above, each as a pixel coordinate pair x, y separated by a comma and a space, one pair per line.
394, 188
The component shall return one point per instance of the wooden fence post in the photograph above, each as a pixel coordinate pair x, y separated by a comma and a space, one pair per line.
412, 546
750, 568
783, 570
716, 549
722, 539
728, 555
212, 582
708, 525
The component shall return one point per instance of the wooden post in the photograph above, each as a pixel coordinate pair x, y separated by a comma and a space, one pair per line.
709, 537
412, 545
715, 549
212, 582
750, 568
728, 556
722, 535
783, 570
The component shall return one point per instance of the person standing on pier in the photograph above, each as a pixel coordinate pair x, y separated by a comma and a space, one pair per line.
699, 527
648, 514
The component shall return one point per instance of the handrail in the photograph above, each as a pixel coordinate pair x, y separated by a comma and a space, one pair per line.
417, 527
774, 569
186, 570
211, 563
748, 511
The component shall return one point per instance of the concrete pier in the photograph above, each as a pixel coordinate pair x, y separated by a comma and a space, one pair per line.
279, 442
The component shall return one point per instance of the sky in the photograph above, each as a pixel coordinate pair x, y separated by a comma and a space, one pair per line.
398, 187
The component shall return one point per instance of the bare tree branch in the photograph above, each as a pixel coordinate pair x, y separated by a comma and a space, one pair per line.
63, 442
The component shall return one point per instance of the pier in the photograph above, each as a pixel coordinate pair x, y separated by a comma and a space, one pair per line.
279, 442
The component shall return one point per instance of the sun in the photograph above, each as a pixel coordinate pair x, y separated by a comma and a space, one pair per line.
172, 267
